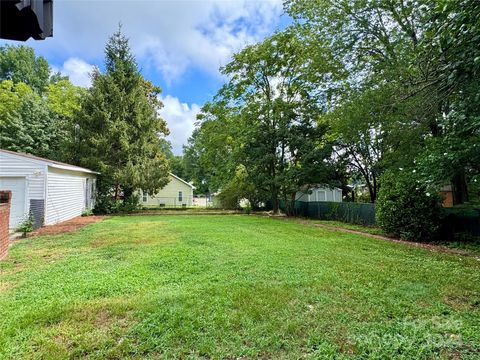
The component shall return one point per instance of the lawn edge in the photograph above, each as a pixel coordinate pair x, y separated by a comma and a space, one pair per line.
430, 247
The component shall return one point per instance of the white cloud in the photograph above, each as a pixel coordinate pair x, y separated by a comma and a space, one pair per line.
169, 36
78, 71
181, 119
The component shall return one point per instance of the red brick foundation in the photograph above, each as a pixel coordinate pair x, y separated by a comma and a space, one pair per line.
5, 197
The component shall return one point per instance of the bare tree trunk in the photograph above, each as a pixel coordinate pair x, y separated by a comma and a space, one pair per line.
459, 187
274, 198
117, 191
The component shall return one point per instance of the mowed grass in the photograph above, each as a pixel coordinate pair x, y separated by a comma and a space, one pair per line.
228, 287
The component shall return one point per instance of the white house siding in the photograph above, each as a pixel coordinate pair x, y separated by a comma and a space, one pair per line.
168, 196
320, 194
66, 195
32, 171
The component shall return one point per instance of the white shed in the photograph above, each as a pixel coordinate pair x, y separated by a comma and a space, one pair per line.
319, 194
49, 190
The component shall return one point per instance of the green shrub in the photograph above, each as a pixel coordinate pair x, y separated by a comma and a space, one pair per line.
87, 212
26, 225
106, 204
405, 209
130, 204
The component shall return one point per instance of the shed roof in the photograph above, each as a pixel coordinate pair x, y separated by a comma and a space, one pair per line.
52, 163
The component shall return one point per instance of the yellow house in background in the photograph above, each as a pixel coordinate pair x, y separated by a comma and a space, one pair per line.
177, 193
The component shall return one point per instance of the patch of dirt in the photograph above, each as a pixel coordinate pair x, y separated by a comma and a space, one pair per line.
5, 286
92, 325
460, 302
66, 226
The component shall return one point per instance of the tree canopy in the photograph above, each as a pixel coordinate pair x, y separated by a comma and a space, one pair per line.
350, 90
36, 106
118, 127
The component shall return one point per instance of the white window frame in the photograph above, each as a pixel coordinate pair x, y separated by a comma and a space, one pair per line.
180, 196
324, 195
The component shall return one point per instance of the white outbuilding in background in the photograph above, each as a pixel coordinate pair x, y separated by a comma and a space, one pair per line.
319, 193
49, 191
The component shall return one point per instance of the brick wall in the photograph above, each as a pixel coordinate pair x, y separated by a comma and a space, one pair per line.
5, 197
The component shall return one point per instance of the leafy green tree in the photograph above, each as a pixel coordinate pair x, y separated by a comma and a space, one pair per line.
64, 98
455, 154
177, 166
451, 40
238, 188
21, 65
371, 135
119, 127
166, 148
376, 123
175, 162
32, 128
422, 52
214, 149
11, 96
36, 110
276, 106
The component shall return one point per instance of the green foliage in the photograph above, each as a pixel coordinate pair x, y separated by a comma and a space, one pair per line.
119, 127
106, 204
237, 189
32, 128
213, 149
265, 119
20, 65
26, 225
461, 224
406, 209
406, 66
11, 97
36, 110
87, 212
455, 153
177, 167
64, 98
166, 148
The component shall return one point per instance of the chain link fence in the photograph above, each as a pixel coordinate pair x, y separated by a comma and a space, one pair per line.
177, 202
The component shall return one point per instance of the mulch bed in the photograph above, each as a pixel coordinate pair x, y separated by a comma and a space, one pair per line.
66, 226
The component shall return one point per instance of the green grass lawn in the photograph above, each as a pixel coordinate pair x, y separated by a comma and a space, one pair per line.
233, 287
374, 230
469, 245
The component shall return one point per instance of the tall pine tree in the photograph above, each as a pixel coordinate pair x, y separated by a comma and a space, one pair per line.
118, 127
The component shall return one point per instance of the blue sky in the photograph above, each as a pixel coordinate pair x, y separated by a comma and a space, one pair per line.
179, 45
